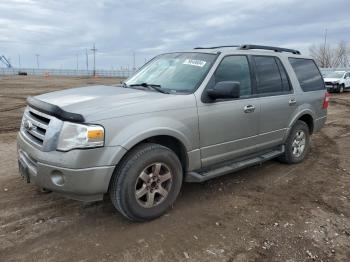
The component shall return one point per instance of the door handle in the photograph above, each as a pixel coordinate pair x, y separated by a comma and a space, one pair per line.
292, 101
249, 109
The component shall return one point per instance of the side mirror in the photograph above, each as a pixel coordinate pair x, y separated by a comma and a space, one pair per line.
224, 90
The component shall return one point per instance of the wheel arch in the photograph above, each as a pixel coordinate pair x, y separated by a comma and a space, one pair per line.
308, 119
170, 141
306, 116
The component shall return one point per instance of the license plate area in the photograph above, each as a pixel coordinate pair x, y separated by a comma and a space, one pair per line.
23, 170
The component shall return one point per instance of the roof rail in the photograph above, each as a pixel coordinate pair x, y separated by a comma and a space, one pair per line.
216, 47
273, 48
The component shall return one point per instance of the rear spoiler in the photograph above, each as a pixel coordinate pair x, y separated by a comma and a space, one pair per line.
54, 110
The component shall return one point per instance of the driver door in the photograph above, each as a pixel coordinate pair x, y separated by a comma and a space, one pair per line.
229, 128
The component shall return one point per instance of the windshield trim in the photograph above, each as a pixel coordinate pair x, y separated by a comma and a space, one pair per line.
187, 52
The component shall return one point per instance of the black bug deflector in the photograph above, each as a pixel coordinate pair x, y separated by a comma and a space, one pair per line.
54, 110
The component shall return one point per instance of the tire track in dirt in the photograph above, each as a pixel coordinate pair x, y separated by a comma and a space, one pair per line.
12, 108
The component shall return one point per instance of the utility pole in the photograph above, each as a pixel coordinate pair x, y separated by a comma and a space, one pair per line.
19, 61
77, 62
94, 51
134, 63
325, 58
37, 60
87, 59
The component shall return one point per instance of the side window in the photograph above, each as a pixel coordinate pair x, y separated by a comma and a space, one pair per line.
284, 76
235, 68
269, 78
307, 73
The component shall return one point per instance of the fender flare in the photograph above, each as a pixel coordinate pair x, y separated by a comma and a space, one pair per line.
296, 118
139, 137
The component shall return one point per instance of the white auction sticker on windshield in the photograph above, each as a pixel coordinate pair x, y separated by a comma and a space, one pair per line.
193, 62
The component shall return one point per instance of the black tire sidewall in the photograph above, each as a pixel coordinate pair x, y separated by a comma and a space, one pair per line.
133, 167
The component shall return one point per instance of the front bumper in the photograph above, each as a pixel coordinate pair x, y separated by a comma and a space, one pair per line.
332, 88
77, 174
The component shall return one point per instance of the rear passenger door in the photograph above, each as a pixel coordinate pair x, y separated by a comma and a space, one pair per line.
277, 100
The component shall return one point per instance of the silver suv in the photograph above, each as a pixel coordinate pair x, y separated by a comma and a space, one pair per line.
184, 116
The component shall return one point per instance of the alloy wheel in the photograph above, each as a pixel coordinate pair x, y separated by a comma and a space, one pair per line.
299, 142
153, 185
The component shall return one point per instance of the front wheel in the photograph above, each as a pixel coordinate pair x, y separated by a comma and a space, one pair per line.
297, 144
341, 89
147, 182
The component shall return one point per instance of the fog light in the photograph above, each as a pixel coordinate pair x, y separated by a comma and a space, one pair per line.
57, 178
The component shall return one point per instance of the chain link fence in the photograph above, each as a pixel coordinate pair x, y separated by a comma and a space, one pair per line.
102, 73
65, 72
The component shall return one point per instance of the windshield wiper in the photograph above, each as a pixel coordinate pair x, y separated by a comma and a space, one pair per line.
152, 86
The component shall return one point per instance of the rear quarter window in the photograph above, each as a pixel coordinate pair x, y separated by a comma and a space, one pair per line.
308, 75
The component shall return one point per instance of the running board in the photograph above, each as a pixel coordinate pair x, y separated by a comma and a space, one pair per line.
194, 177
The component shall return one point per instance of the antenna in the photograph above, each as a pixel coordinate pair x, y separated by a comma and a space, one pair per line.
94, 51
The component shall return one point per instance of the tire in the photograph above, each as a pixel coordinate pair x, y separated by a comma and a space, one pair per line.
341, 88
147, 170
291, 156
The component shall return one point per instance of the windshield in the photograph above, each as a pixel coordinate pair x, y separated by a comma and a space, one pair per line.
334, 75
175, 72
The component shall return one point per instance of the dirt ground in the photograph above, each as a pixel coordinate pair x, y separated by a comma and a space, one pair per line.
273, 212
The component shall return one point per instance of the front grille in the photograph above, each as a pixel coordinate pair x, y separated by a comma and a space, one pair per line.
329, 83
35, 125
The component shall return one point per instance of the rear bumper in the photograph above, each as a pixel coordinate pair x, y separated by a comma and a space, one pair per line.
319, 123
76, 180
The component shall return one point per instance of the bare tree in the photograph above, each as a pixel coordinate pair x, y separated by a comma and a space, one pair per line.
327, 56
341, 55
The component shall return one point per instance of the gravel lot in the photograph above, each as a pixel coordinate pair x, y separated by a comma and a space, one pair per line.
273, 212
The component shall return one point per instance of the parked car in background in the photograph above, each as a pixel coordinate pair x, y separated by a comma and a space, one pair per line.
184, 116
337, 81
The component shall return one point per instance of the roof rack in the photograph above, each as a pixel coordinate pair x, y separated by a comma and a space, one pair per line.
216, 47
273, 48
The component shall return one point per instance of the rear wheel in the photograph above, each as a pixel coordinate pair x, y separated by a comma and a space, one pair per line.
297, 144
146, 182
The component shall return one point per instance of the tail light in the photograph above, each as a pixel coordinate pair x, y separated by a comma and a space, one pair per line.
326, 100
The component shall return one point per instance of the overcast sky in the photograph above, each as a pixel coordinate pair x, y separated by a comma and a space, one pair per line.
59, 30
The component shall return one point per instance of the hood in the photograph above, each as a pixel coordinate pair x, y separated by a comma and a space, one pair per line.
98, 102
331, 79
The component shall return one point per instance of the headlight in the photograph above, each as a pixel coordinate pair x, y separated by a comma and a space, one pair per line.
335, 82
80, 136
